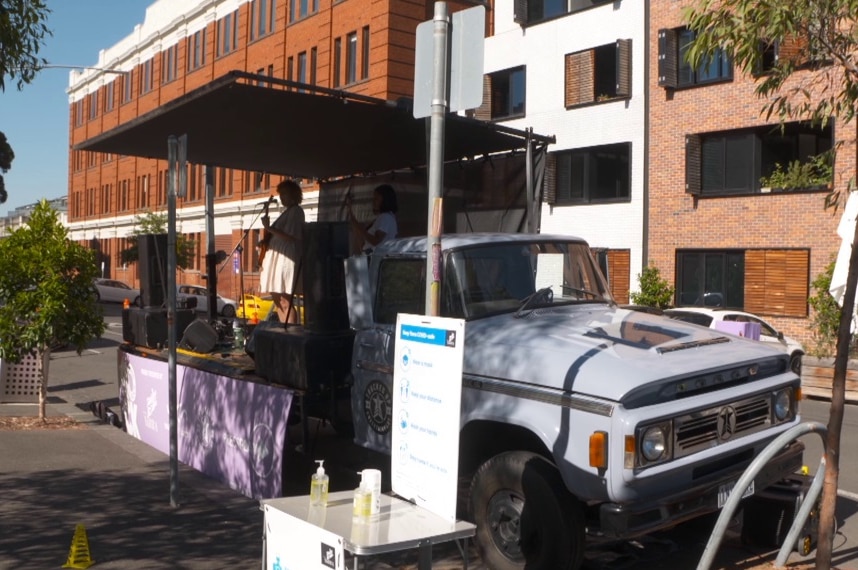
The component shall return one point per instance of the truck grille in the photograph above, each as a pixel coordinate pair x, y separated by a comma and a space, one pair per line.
708, 428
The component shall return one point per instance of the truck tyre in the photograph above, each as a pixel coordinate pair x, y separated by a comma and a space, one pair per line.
525, 517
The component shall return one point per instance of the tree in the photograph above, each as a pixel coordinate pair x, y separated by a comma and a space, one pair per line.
46, 292
816, 79
154, 223
655, 291
22, 35
6, 158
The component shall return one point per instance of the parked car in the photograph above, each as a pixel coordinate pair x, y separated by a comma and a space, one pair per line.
113, 291
708, 317
251, 304
225, 307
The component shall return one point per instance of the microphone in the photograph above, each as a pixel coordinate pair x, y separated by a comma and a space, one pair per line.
270, 200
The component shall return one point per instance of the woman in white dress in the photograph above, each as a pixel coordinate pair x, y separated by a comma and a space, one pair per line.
384, 227
281, 266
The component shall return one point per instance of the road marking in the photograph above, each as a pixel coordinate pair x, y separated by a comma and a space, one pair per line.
848, 495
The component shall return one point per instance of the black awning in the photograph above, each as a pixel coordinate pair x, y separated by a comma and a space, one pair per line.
297, 130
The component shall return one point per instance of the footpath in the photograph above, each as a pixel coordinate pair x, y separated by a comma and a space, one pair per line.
96, 494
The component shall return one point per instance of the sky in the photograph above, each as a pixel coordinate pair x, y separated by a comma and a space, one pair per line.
35, 120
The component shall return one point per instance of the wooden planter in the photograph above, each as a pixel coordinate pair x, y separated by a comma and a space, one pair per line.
817, 375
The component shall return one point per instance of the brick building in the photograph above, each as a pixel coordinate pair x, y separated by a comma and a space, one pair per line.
715, 231
362, 47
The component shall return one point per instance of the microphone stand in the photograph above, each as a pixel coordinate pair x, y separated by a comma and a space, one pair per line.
238, 247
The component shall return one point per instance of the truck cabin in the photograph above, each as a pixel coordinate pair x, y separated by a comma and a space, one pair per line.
483, 277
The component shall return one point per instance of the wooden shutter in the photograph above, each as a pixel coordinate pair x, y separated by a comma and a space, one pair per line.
579, 78
624, 68
793, 49
520, 9
484, 111
776, 282
619, 268
667, 58
549, 193
693, 184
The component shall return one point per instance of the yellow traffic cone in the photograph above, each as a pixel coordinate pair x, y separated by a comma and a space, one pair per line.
79, 551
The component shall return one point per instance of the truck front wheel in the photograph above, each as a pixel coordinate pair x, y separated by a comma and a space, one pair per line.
525, 517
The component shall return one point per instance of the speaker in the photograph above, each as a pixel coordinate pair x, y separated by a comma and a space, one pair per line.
199, 336
148, 326
326, 248
152, 264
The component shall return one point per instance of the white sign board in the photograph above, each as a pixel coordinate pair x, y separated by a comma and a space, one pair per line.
427, 395
467, 34
295, 544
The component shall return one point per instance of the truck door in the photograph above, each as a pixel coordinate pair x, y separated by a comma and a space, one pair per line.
399, 288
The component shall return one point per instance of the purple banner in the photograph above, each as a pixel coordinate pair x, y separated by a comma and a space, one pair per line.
232, 430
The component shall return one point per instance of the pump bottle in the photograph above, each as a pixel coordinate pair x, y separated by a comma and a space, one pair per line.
319, 486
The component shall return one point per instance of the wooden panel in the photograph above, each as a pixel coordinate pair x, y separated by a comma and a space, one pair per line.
579, 78
624, 68
755, 281
776, 282
619, 268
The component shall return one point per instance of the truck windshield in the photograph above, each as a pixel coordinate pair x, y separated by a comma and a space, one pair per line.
490, 279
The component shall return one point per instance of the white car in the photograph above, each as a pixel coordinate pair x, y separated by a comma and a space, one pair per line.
113, 291
709, 317
225, 307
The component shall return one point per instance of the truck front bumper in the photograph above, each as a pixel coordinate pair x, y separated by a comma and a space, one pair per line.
621, 521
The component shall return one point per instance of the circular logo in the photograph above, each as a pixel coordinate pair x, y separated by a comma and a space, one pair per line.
378, 407
262, 448
726, 423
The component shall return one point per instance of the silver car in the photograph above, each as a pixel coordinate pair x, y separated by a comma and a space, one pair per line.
113, 291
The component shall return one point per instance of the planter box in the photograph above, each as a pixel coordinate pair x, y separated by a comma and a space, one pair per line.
817, 375
20, 382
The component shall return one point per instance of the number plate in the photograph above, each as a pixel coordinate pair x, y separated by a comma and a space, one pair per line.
724, 493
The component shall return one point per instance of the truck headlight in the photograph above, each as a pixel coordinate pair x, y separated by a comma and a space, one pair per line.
654, 443
783, 404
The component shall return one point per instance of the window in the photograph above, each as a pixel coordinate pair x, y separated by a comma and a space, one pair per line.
302, 9
169, 64
109, 94
590, 175
250, 254
338, 47
535, 11
302, 67
290, 68
196, 50
146, 76
675, 71
127, 83
401, 289
262, 15
351, 58
503, 95
364, 53
78, 113
599, 74
766, 281
92, 100
106, 191
223, 182
313, 57
732, 162
227, 34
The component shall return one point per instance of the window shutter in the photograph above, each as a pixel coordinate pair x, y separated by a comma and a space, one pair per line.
619, 264
667, 58
549, 192
484, 111
692, 165
579, 78
520, 9
776, 282
624, 68
793, 49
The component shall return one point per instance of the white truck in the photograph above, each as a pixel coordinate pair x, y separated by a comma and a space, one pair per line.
580, 421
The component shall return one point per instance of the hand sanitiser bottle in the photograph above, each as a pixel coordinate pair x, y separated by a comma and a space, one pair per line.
319, 486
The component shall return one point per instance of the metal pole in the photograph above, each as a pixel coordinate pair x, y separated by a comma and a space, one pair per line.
172, 182
434, 221
211, 257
